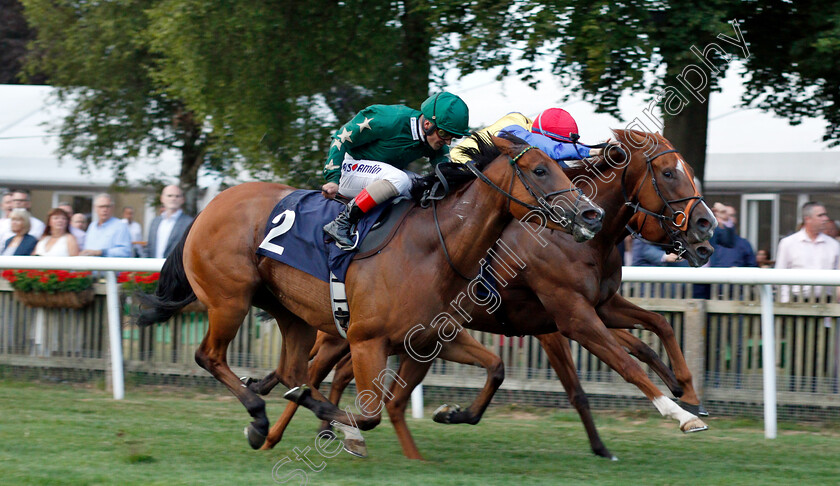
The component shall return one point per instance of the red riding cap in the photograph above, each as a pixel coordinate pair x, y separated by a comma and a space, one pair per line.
555, 123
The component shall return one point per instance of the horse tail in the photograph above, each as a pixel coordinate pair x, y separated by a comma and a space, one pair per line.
173, 291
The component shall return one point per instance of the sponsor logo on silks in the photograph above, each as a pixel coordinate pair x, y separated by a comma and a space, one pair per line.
362, 168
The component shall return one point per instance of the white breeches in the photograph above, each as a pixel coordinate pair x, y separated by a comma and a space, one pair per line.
358, 174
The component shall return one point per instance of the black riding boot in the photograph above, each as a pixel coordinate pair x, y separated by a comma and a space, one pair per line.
341, 228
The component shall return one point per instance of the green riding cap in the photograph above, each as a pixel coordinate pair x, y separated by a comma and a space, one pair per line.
448, 112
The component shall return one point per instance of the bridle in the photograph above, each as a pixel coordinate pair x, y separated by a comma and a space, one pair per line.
673, 225
533, 189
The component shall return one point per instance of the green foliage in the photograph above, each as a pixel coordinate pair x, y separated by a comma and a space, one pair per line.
97, 55
278, 77
795, 63
599, 49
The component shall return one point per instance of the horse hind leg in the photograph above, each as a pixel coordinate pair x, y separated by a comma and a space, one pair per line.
212, 356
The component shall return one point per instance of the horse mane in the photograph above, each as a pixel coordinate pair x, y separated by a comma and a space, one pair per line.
628, 139
456, 174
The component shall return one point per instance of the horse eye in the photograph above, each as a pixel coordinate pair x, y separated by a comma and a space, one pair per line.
668, 174
540, 171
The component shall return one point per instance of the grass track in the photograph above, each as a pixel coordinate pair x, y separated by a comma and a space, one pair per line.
62, 434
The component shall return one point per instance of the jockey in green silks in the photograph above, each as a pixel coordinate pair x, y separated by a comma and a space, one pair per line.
368, 154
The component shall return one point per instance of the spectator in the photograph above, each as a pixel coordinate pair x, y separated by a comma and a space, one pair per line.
135, 229
762, 258
733, 250
20, 243
78, 226
108, 236
647, 255
77, 233
808, 248
57, 241
21, 199
833, 229
167, 229
730, 250
5, 222
7, 204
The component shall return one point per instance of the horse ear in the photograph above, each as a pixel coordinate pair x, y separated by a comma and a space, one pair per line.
505, 146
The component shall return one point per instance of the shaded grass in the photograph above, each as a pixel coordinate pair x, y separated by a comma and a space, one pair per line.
62, 434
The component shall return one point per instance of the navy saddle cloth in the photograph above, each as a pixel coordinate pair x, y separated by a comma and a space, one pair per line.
294, 234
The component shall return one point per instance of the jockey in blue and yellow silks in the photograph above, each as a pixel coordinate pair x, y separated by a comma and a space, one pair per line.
368, 154
553, 131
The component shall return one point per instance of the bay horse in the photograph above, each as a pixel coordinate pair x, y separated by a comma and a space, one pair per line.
409, 281
572, 279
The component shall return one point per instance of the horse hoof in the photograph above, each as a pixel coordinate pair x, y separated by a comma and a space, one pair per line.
603, 452
297, 394
255, 438
355, 447
694, 425
698, 409
444, 413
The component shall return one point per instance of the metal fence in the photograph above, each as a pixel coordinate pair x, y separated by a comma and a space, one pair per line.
720, 337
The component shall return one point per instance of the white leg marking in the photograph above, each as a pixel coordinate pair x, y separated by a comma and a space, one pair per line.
670, 409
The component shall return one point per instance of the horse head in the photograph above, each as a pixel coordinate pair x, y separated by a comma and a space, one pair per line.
651, 231
658, 182
539, 188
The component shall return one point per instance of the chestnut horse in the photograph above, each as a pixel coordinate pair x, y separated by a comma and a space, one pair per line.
409, 281
576, 279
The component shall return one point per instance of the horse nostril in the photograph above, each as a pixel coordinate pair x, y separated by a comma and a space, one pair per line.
704, 252
704, 224
593, 215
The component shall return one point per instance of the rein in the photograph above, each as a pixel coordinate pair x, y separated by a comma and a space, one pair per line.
538, 194
679, 220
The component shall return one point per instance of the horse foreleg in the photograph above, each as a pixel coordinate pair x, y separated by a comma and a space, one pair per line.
560, 356
412, 374
618, 312
645, 354
465, 349
583, 325
369, 397
212, 356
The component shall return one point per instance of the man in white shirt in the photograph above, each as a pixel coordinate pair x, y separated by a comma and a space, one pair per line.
5, 222
135, 229
167, 229
808, 248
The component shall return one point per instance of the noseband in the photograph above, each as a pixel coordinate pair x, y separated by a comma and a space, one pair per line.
673, 225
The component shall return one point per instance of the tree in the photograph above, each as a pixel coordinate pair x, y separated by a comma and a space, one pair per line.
98, 58
278, 80
14, 35
795, 64
602, 50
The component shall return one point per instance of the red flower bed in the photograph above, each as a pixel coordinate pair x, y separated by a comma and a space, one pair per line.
48, 281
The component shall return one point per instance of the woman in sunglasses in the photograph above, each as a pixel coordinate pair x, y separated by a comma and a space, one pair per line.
368, 154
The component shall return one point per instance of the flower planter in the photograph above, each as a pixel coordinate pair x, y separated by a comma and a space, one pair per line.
66, 300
